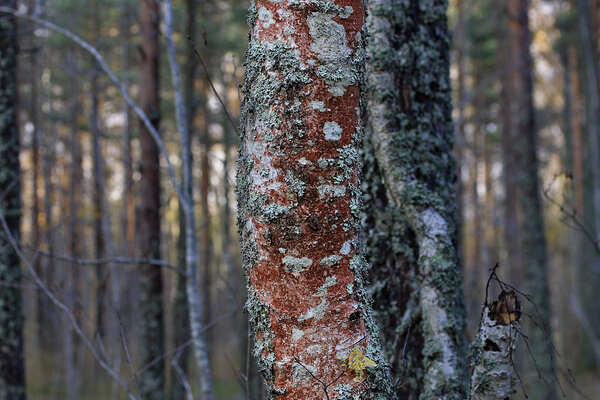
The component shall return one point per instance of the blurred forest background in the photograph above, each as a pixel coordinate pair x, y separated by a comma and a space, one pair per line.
81, 157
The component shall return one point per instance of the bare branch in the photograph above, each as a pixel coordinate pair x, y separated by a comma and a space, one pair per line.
63, 307
104, 66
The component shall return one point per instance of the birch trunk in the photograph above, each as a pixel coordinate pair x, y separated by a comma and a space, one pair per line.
409, 105
299, 201
195, 298
494, 348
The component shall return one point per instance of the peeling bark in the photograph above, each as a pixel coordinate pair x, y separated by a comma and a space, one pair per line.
493, 350
299, 200
409, 106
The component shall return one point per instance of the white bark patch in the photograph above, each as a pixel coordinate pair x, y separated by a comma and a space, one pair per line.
437, 318
332, 131
346, 247
492, 376
266, 17
318, 105
436, 230
331, 191
314, 349
263, 178
297, 334
300, 373
331, 260
318, 311
296, 265
331, 46
348, 10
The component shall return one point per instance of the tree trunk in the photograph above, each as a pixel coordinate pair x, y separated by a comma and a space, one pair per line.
493, 349
421, 183
532, 227
299, 203
181, 327
205, 232
12, 374
509, 114
151, 302
186, 199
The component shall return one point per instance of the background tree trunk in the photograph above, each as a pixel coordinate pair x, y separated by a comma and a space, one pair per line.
412, 137
532, 226
151, 299
12, 372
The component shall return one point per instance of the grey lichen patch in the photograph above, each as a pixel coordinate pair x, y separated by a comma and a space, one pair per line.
346, 247
325, 163
295, 185
266, 17
331, 191
314, 349
331, 46
318, 312
332, 130
300, 372
296, 265
348, 159
273, 211
318, 105
297, 334
322, 291
331, 260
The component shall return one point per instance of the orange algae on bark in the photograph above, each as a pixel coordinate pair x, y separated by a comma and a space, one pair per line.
299, 199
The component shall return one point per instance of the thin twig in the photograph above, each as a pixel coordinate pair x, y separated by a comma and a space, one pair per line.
124, 341
181, 373
62, 307
104, 66
229, 117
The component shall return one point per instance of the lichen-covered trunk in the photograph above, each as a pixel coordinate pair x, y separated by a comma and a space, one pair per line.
532, 227
409, 114
392, 252
493, 349
299, 201
151, 307
12, 375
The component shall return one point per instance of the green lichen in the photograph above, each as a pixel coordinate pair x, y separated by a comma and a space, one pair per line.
295, 185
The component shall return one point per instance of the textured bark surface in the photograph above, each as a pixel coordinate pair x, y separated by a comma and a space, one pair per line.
12, 377
409, 106
493, 365
151, 307
392, 252
532, 227
299, 200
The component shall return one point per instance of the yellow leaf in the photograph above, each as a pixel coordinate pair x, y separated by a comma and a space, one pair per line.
358, 362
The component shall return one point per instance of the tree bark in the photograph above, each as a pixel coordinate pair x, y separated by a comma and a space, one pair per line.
151, 300
532, 226
409, 105
12, 374
299, 202
494, 348
186, 199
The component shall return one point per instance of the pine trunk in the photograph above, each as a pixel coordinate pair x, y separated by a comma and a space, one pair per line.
151, 307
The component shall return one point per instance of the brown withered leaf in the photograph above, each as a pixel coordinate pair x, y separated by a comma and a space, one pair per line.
506, 309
